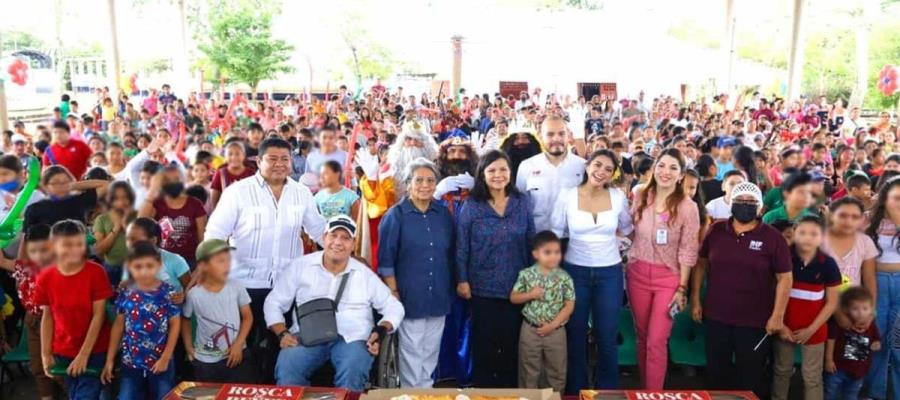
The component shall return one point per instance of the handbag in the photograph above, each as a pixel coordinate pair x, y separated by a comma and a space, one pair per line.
316, 320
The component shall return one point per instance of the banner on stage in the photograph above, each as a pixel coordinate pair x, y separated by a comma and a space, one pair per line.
512, 88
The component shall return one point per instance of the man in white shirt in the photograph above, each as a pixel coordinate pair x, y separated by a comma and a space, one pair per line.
319, 275
264, 215
545, 175
720, 208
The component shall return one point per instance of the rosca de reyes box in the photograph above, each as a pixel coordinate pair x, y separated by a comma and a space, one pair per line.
665, 395
461, 394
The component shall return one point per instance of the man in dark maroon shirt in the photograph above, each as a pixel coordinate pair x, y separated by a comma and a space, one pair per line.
70, 153
749, 268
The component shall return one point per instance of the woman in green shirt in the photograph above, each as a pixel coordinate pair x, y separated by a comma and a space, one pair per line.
109, 229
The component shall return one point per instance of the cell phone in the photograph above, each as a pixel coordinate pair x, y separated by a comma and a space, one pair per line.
674, 309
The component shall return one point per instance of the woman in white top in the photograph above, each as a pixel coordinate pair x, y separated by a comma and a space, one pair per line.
593, 215
883, 230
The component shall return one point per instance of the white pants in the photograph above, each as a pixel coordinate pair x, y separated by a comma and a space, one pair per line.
420, 345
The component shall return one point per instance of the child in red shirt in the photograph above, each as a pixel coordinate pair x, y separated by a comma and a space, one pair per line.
25, 272
813, 299
70, 153
73, 297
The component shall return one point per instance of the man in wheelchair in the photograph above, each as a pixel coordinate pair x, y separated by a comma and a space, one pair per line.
334, 275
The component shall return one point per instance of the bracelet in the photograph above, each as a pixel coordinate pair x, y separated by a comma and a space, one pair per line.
283, 334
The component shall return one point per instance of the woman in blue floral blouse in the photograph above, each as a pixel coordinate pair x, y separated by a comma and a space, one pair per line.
493, 236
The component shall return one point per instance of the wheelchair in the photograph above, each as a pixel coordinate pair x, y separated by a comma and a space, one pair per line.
385, 372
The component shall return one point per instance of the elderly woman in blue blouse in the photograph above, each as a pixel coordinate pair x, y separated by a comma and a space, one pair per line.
415, 258
493, 235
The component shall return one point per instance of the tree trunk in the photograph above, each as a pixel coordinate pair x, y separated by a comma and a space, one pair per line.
358, 73
113, 69
253, 92
862, 33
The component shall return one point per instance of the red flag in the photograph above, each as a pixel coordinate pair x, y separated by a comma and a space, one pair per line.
348, 166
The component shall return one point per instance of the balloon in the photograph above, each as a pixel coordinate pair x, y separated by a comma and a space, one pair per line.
887, 80
128, 84
12, 224
133, 81
18, 72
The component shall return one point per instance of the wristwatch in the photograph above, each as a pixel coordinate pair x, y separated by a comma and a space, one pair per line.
283, 334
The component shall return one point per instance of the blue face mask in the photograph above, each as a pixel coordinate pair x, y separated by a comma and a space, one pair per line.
10, 186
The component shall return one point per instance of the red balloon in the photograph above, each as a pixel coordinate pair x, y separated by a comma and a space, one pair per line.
888, 80
18, 72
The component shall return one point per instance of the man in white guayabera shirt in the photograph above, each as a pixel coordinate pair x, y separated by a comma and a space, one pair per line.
263, 216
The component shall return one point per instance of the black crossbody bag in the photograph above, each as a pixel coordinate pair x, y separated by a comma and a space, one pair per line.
316, 319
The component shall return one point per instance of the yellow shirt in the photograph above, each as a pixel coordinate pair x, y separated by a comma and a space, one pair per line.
108, 113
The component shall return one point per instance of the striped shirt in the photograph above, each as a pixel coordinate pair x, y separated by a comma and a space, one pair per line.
807, 297
264, 231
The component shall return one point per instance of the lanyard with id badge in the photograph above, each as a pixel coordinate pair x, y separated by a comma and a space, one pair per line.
662, 234
662, 239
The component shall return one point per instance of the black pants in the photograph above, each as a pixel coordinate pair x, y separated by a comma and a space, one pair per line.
731, 363
245, 372
495, 342
261, 341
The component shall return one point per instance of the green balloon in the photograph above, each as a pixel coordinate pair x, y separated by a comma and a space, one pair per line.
12, 224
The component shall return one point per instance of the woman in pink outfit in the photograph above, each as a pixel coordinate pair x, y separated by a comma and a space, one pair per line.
663, 251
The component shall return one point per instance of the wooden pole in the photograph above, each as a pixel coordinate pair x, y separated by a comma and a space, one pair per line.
114, 69
4, 116
456, 77
795, 60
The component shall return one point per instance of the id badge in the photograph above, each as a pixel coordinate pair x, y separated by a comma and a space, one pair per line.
662, 236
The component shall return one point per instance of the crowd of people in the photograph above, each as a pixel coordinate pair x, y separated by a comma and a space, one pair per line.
195, 238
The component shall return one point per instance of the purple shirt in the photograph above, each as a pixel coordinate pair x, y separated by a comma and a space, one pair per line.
741, 281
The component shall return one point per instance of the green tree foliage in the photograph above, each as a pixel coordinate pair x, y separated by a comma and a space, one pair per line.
829, 69
239, 42
13, 40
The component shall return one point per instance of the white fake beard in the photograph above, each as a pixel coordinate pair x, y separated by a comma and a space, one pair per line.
402, 157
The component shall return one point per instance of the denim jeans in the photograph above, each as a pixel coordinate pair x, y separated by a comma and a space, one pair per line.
352, 362
138, 383
598, 292
85, 387
886, 362
840, 386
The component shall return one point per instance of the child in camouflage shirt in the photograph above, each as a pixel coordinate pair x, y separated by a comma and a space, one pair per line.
549, 297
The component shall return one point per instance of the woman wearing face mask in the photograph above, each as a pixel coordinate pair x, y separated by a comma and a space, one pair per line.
749, 267
883, 231
591, 215
664, 250
181, 217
